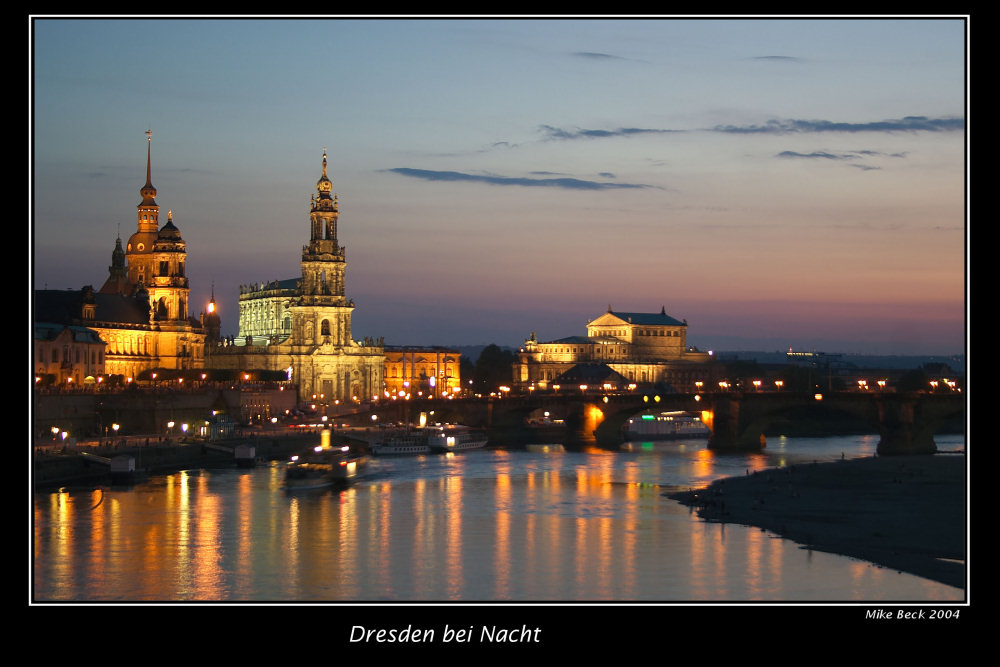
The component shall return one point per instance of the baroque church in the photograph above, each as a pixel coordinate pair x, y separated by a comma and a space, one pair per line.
141, 310
302, 326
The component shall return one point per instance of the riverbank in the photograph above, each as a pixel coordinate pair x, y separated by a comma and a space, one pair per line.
907, 513
58, 466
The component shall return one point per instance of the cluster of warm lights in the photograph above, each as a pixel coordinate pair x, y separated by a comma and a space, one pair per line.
951, 384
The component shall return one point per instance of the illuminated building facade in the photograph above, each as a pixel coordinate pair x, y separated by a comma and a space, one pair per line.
303, 325
67, 354
642, 348
422, 371
141, 310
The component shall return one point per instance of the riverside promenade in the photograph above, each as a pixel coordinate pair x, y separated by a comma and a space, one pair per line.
907, 513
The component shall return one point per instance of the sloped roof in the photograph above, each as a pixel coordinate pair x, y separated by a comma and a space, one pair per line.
52, 330
648, 318
591, 374
571, 340
66, 307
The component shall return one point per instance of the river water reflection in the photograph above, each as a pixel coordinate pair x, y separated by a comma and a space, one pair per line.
481, 526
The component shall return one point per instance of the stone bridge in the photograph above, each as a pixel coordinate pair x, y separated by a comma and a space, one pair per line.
906, 422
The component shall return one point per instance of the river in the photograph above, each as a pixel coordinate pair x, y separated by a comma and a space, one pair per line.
490, 525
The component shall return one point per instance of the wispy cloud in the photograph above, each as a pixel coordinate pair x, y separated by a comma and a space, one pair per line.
563, 182
787, 126
786, 59
818, 154
552, 132
597, 55
906, 124
855, 157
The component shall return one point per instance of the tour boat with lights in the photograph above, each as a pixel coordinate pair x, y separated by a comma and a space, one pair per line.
455, 439
322, 468
665, 426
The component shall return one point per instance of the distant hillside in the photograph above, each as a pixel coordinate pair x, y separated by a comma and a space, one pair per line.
472, 352
901, 362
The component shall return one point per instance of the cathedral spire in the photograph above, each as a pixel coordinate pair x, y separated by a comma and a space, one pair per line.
324, 186
148, 192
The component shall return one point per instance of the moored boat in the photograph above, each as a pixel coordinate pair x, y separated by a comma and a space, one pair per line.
399, 441
665, 426
455, 439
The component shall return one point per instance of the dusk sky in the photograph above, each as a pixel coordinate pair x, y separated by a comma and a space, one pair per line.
776, 183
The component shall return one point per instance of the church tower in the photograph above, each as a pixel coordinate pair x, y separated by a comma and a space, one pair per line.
323, 262
302, 326
323, 313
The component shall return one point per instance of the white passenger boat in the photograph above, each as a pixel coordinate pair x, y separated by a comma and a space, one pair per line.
455, 439
665, 426
399, 442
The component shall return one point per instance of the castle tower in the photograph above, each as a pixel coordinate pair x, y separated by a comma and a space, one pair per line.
156, 256
139, 249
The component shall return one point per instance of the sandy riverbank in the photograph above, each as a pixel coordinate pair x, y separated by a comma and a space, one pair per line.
907, 513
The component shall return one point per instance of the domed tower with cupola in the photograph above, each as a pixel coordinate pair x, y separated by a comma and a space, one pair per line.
157, 256
141, 310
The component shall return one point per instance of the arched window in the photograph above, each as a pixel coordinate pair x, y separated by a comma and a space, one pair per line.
324, 328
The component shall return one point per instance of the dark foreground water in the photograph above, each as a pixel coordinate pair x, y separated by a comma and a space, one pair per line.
482, 526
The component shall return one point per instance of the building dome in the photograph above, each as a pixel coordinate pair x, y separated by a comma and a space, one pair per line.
141, 243
169, 231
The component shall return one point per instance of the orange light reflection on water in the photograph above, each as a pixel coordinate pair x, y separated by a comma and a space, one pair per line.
502, 553
453, 503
